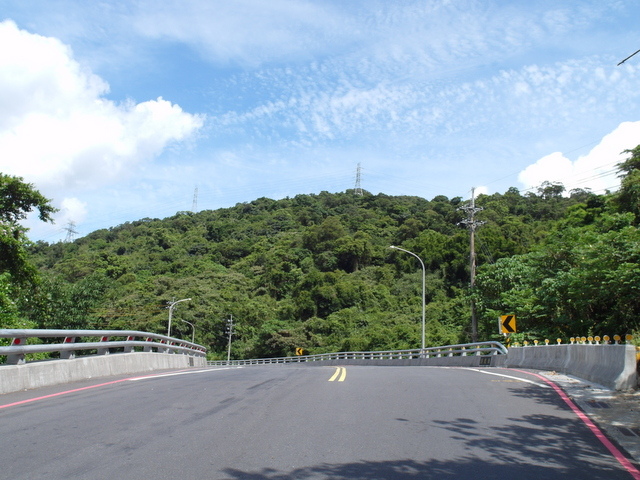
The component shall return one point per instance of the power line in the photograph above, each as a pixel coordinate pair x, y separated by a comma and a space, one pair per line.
620, 63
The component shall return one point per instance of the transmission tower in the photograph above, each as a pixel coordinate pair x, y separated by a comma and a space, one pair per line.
71, 231
194, 205
470, 209
358, 187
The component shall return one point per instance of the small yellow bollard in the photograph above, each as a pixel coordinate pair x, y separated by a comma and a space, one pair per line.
616, 338
559, 340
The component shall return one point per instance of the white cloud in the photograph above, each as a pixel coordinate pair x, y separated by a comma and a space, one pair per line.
71, 210
245, 31
481, 190
595, 171
552, 168
56, 128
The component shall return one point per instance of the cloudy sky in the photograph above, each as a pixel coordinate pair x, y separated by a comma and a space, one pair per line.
121, 110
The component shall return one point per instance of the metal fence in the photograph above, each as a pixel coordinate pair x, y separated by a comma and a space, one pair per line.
480, 348
102, 341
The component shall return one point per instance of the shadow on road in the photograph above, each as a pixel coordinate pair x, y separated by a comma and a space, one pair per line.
528, 447
464, 468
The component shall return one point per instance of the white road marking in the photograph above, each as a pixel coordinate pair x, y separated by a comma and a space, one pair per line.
509, 376
147, 377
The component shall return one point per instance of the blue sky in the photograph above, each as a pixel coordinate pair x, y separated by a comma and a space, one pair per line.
120, 110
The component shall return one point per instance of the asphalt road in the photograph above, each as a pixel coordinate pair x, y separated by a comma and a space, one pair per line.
302, 422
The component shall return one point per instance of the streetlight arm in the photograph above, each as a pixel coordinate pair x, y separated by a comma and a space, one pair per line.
410, 253
193, 330
171, 306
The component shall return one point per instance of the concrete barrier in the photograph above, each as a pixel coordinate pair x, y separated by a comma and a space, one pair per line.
14, 378
613, 366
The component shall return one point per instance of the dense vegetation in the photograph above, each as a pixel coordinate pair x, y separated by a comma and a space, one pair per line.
316, 271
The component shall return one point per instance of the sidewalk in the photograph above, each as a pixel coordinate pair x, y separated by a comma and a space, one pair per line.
617, 413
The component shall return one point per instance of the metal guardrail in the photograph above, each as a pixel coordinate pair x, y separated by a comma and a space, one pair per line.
152, 342
480, 348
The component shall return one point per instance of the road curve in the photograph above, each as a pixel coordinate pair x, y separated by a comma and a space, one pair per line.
286, 422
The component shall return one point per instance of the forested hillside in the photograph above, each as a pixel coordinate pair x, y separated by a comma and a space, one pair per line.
316, 271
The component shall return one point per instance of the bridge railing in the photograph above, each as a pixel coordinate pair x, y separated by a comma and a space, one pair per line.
104, 343
480, 348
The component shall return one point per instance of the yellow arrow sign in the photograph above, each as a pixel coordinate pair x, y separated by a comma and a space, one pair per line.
299, 351
508, 324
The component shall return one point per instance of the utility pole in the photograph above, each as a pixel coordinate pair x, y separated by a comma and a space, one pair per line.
230, 333
472, 224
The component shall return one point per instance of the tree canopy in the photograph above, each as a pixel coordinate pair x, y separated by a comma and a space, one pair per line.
316, 271
17, 199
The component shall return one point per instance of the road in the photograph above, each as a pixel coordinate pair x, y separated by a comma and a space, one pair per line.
302, 422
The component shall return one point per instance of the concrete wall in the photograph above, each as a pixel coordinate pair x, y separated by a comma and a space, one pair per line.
613, 366
14, 378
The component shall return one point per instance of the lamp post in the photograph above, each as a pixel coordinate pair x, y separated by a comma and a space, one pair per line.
193, 330
423, 287
171, 307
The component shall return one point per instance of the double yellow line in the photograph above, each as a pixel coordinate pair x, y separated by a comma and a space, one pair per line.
340, 372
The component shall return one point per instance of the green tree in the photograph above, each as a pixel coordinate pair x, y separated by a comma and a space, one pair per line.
17, 200
628, 197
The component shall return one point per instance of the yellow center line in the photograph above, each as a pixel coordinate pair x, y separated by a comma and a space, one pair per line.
340, 372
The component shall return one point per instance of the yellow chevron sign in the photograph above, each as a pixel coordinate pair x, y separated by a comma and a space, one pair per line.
508, 324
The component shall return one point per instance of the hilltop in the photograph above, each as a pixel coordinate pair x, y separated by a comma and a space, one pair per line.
316, 271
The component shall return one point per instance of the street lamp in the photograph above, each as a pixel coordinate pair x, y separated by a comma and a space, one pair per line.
171, 307
423, 288
193, 330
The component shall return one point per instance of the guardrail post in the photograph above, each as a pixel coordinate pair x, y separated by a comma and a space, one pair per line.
68, 354
103, 351
17, 358
129, 349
